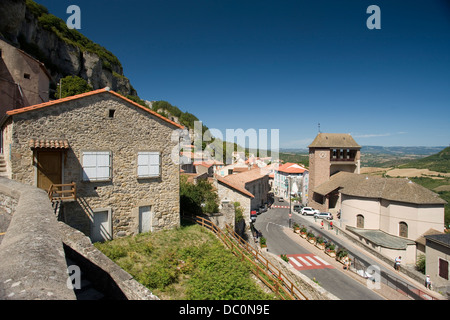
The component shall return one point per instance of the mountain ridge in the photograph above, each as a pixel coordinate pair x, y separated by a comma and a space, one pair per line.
30, 27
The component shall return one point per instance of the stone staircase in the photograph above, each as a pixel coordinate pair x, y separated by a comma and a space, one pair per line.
3, 171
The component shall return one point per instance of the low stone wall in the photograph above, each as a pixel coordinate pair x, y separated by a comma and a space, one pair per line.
32, 260
113, 280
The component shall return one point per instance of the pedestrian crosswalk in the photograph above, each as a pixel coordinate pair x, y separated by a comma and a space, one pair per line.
284, 207
307, 261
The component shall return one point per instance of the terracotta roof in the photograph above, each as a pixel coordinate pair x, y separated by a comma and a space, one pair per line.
87, 94
49, 144
291, 168
334, 140
394, 189
238, 181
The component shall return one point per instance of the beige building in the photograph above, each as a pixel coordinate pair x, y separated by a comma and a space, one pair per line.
437, 261
250, 188
118, 155
24, 81
330, 153
390, 214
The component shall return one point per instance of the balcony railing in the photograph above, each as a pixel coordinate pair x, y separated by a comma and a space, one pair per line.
343, 159
62, 192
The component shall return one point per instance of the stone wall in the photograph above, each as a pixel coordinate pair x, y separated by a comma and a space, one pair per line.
227, 193
32, 261
108, 275
86, 124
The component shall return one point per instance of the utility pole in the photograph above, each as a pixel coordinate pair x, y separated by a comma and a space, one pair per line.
60, 88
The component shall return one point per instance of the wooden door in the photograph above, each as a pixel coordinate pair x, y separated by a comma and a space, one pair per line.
49, 169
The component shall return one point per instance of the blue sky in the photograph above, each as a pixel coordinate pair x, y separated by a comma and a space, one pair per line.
286, 65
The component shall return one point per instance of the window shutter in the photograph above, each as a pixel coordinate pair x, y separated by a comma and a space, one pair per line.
149, 164
443, 268
96, 165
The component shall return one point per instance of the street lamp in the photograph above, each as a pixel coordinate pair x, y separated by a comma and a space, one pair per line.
288, 184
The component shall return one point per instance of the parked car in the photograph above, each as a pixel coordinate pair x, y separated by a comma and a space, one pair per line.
297, 207
262, 209
280, 199
323, 215
309, 211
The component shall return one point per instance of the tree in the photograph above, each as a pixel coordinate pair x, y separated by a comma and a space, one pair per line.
72, 85
199, 198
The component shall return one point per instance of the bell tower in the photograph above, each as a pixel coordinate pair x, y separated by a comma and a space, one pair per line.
330, 153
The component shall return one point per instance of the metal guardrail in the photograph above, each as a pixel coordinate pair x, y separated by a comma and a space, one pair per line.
394, 282
271, 276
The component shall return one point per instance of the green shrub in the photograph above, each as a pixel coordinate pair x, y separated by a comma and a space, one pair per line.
185, 263
420, 264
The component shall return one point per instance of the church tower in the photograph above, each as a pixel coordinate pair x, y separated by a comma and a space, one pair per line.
330, 153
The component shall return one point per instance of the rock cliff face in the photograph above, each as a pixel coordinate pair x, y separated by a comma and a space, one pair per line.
21, 24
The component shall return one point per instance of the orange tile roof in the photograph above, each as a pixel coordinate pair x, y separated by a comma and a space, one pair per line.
291, 168
87, 94
49, 143
239, 180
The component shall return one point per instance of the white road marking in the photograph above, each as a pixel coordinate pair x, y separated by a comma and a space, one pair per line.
295, 261
313, 261
321, 260
305, 262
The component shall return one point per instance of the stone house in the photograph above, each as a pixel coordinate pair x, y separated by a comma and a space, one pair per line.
118, 155
389, 214
250, 188
24, 81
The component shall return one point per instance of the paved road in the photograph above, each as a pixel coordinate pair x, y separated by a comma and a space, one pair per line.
270, 224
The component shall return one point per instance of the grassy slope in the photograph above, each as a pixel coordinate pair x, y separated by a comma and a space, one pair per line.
439, 162
186, 263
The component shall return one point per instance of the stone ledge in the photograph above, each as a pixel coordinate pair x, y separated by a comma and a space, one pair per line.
82, 245
32, 260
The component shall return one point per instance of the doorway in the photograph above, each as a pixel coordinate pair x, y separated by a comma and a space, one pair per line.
145, 219
49, 169
101, 226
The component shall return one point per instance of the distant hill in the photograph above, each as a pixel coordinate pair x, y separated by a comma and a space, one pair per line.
420, 150
439, 162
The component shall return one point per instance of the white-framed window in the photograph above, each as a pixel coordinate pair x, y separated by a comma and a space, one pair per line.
97, 165
149, 164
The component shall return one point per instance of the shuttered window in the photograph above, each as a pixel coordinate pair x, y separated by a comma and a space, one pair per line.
443, 268
96, 165
149, 164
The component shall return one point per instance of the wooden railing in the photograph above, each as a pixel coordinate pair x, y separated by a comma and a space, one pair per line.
271, 276
293, 289
61, 192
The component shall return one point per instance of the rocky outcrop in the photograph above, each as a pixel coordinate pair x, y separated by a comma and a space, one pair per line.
20, 25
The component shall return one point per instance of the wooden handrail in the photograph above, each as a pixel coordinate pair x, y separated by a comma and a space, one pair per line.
57, 192
263, 260
281, 285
